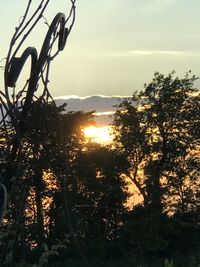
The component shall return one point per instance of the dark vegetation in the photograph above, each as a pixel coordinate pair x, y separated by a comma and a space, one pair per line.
67, 206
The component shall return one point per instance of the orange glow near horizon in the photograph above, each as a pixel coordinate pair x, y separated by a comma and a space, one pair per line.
101, 135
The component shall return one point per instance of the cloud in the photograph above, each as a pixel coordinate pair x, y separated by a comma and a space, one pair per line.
97, 103
66, 97
174, 53
159, 52
103, 106
104, 113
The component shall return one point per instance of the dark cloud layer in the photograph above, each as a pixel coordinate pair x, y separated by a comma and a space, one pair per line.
91, 103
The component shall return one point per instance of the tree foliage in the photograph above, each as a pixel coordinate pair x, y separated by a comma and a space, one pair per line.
66, 192
69, 199
157, 133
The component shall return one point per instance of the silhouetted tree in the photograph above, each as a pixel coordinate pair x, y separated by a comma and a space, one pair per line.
156, 131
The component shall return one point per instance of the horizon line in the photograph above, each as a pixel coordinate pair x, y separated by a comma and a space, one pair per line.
88, 96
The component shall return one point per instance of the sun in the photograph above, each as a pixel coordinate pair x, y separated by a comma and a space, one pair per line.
101, 135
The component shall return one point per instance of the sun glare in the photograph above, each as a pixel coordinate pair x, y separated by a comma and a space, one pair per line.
100, 135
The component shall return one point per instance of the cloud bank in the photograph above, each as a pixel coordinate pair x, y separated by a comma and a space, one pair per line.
97, 103
103, 106
146, 52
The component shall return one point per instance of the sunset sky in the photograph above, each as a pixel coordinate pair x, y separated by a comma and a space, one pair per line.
116, 45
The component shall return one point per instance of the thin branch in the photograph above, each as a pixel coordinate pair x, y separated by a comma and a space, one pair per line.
23, 18
15, 37
30, 30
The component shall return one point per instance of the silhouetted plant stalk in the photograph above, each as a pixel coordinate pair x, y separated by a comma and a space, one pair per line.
15, 107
